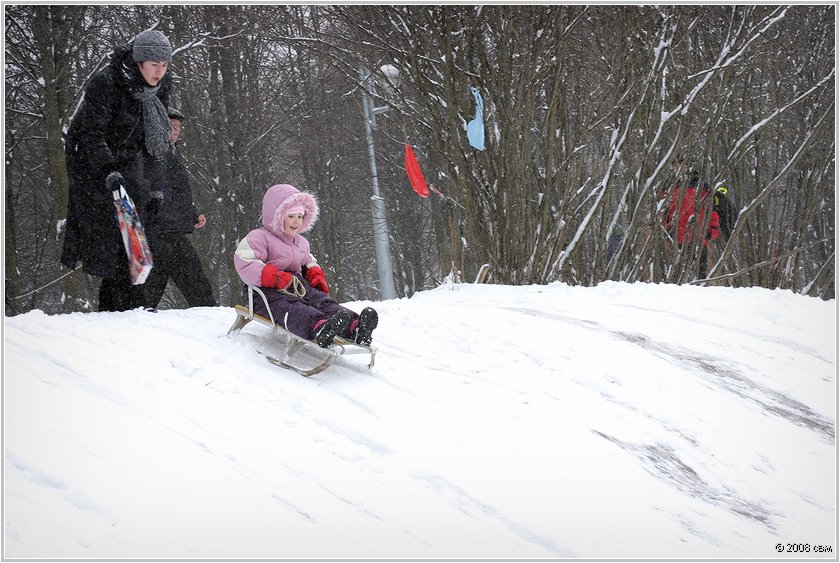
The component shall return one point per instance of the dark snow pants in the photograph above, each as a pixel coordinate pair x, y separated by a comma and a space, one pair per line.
298, 315
117, 293
704, 264
175, 257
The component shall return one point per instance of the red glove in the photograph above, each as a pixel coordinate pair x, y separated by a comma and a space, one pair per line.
274, 277
316, 278
714, 228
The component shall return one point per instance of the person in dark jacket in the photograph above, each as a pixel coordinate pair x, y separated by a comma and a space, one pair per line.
174, 255
726, 210
121, 129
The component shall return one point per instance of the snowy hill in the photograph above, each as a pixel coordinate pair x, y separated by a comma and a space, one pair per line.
621, 421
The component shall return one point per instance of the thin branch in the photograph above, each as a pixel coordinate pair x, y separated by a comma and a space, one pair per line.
788, 254
46, 285
765, 193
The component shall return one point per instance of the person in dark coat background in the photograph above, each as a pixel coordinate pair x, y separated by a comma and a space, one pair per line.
174, 255
122, 128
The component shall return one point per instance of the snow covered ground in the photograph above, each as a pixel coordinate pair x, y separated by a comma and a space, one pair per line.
620, 421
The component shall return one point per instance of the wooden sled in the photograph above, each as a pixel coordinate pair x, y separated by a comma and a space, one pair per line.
339, 347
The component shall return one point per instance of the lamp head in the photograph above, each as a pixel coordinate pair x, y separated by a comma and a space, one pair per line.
391, 78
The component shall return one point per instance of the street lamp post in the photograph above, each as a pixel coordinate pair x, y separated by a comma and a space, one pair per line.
381, 238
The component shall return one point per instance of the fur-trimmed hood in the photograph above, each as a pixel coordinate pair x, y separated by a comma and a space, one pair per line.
277, 202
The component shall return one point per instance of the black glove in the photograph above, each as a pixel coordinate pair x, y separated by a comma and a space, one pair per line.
114, 181
154, 204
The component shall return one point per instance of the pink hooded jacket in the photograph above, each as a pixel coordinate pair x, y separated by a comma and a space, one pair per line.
269, 244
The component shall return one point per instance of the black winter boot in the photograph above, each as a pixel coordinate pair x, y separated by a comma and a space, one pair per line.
368, 319
336, 324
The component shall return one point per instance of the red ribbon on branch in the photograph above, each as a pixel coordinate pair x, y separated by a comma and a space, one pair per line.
415, 175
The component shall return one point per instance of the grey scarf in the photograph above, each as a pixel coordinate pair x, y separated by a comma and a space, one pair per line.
156, 123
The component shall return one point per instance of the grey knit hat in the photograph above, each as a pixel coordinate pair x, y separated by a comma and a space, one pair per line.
151, 45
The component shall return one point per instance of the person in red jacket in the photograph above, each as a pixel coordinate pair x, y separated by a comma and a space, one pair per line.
689, 222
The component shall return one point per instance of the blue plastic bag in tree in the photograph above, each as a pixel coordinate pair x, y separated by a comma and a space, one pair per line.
475, 128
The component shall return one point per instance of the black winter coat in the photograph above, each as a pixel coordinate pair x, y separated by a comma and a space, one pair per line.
107, 135
728, 214
178, 213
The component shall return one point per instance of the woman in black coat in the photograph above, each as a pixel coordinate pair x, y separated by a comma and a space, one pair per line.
121, 127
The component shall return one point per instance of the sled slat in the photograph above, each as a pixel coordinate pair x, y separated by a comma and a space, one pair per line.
339, 347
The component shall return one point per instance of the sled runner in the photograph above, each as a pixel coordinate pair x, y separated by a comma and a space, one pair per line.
297, 345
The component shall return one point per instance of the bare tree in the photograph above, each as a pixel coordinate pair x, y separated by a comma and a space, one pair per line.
592, 114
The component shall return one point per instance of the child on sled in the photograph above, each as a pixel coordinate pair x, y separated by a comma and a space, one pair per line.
277, 258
